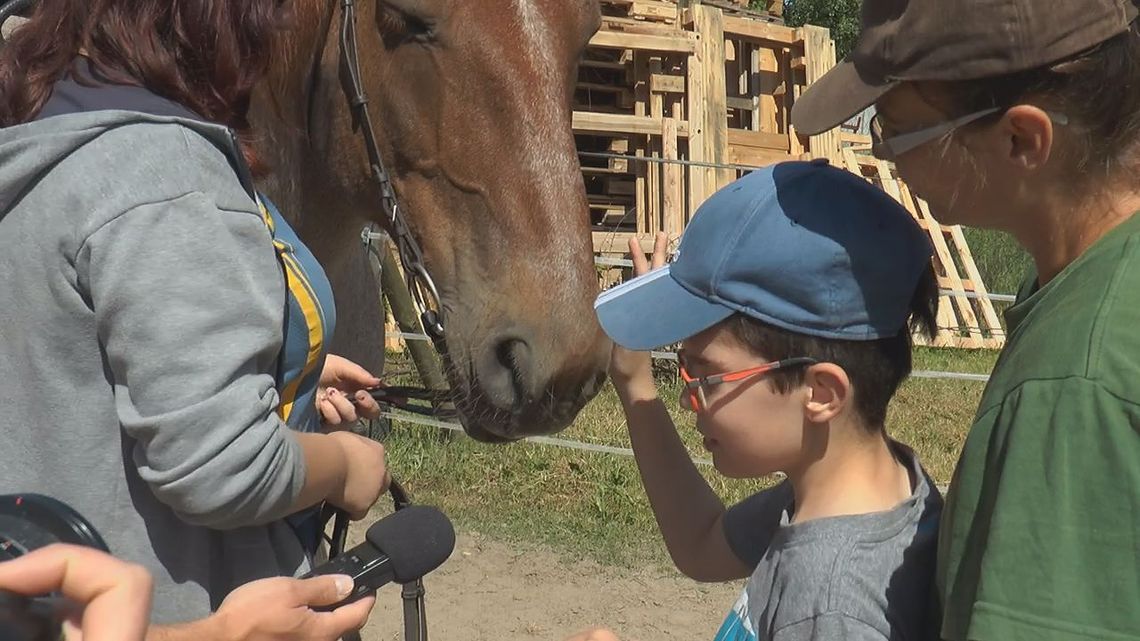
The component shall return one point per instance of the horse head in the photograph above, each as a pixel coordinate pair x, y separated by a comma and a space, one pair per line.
471, 100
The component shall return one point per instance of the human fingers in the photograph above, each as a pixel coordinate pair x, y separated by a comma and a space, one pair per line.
367, 406
115, 595
322, 590
353, 375
660, 247
345, 618
343, 405
329, 415
640, 266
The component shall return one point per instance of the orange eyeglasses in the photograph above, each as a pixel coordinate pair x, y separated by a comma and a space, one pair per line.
696, 386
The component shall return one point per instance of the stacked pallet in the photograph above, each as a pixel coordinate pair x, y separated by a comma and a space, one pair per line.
675, 102
966, 315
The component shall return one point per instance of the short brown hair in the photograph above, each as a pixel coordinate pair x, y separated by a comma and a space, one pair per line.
876, 368
1098, 89
206, 55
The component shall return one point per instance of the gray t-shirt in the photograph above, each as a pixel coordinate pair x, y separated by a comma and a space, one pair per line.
866, 576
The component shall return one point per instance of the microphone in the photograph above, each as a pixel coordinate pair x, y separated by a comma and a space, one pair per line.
402, 547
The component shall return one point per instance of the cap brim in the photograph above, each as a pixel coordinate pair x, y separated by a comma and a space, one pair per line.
654, 310
835, 98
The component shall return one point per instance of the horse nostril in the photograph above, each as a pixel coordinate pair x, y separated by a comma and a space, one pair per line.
514, 355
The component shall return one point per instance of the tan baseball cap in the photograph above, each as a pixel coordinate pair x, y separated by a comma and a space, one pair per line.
908, 40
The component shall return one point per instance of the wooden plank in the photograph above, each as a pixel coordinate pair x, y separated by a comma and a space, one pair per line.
741, 102
754, 87
665, 83
616, 242
589, 122
653, 170
757, 157
767, 81
672, 187
819, 49
694, 107
758, 139
682, 42
956, 314
654, 11
771, 34
602, 87
961, 305
617, 187
847, 138
709, 24
977, 285
603, 64
787, 99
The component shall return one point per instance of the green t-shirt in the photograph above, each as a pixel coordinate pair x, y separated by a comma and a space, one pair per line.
1040, 537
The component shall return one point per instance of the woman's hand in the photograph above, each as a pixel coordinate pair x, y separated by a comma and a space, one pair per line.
342, 397
632, 372
365, 474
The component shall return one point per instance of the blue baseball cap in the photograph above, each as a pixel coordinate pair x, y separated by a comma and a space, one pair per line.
803, 246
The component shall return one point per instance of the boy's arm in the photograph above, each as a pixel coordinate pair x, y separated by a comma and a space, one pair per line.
689, 513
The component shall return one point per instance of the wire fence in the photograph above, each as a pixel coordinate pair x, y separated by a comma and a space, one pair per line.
609, 261
672, 356
562, 443
930, 374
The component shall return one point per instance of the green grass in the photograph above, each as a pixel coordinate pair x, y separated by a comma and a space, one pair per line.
593, 505
1001, 261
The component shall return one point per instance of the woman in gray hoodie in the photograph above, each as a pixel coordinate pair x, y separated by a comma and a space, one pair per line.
145, 317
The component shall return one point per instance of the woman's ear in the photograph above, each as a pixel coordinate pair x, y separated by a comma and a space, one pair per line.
830, 392
1026, 134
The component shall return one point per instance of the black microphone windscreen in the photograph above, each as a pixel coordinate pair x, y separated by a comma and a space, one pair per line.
418, 539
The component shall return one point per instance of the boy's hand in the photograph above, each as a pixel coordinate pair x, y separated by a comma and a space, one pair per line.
632, 372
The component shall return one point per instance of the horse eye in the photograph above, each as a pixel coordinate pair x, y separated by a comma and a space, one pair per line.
405, 25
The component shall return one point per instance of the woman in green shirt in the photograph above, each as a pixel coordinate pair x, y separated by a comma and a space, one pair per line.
1024, 116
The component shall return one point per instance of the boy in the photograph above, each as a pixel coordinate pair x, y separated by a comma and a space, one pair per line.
792, 296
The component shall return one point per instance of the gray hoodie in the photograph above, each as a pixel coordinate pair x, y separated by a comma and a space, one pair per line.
141, 307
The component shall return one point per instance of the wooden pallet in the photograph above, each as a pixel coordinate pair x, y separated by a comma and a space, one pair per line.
717, 85
701, 83
966, 317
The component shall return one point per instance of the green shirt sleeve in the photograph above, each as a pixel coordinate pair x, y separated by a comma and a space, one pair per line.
1040, 538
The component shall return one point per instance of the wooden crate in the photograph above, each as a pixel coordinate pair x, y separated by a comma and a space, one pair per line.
966, 316
686, 87
698, 95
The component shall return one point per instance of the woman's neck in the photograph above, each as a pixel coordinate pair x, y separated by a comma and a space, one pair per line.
1065, 230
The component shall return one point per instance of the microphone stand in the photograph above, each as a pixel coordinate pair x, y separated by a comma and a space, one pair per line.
415, 615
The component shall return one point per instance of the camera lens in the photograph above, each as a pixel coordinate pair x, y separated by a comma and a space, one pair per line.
8, 549
29, 522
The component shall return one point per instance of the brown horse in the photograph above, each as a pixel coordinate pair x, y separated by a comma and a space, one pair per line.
472, 103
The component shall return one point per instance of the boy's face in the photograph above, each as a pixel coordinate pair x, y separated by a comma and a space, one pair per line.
750, 429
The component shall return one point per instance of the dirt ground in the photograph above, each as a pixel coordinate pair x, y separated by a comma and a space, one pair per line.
490, 590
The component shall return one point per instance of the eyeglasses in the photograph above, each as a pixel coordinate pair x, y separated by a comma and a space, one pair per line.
696, 386
892, 147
